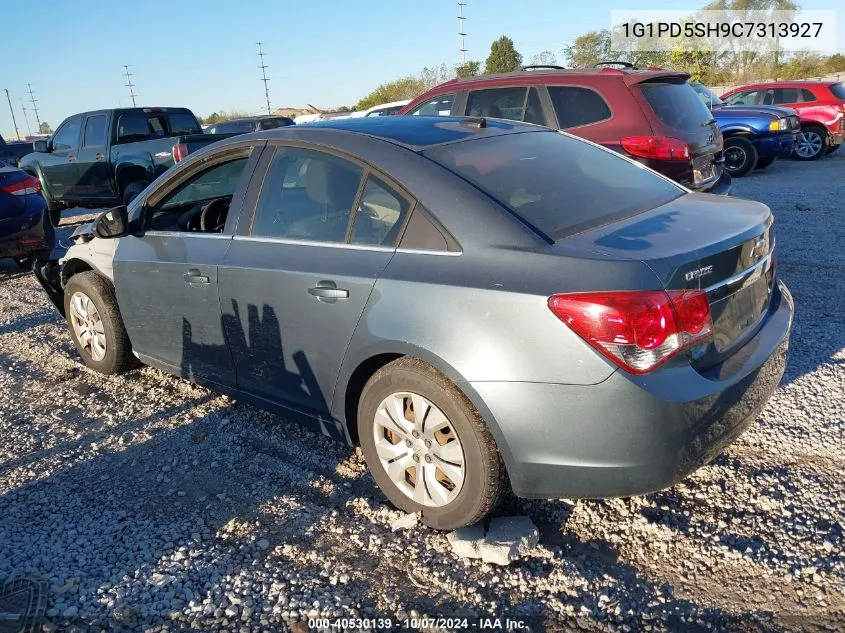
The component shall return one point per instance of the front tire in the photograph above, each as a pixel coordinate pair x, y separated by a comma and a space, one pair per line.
740, 156
95, 325
131, 191
426, 446
812, 144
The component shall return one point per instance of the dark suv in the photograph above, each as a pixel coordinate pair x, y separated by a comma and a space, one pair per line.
652, 116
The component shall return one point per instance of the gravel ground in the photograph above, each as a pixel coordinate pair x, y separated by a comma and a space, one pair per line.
143, 502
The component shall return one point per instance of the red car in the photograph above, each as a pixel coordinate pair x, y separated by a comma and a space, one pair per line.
820, 106
652, 116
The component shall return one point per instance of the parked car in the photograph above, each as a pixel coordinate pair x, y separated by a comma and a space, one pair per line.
820, 106
251, 124
755, 136
104, 157
382, 109
25, 229
11, 153
652, 116
576, 322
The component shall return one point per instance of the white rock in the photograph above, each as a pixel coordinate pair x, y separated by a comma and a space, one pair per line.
466, 541
405, 522
507, 539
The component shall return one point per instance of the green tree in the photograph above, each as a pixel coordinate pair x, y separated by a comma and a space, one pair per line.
834, 63
544, 58
468, 69
45, 128
503, 58
588, 50
396, 90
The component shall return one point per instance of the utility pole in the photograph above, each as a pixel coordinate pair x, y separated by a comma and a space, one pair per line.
34, 107
26, 118
461, 32
9, 99
129, 84
264, 68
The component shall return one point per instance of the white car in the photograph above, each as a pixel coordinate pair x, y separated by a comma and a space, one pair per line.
383, 109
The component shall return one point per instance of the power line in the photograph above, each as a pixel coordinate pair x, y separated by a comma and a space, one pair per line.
26, 118
461, 33
34, 107
264, 68
9, 99
129, 84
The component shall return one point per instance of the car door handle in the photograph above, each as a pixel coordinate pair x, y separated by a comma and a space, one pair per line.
328, 290
194, 278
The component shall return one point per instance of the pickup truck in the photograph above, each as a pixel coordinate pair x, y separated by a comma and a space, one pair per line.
11, 153
755, 135
107, 157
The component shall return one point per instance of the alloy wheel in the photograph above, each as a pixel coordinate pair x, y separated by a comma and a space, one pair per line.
810, 144
87, 325
735, 158
419, 449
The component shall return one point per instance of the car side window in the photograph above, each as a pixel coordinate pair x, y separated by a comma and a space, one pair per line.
379, 216
95, 131
440, 105
781, 95
746, 97
497, 103
577, 106
807, 96
307, 195
534, 109
189, 207
67, 137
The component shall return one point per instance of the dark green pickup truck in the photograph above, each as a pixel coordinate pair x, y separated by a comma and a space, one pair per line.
108, 157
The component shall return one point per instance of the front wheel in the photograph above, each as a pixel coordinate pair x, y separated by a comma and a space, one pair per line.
427, 447
740, 156
811, 144
95, 325
131, 191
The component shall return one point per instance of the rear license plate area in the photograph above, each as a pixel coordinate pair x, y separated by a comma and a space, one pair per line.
703, 169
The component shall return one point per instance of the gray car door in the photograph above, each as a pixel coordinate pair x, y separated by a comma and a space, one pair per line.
296, 280
166, 275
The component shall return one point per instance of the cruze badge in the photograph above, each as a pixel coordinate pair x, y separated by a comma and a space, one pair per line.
698, 273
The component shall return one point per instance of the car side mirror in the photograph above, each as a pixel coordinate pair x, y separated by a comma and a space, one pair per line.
112, 223
41, 146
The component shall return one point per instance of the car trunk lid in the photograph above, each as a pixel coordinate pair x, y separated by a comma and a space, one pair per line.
700, 242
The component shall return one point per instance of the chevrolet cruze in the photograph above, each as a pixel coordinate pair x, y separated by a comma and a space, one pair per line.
483, 305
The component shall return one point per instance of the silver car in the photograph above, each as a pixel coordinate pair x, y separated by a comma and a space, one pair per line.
481, 304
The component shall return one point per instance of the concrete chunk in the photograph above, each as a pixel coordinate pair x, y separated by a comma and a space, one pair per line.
405, 522
466, 541
507, 539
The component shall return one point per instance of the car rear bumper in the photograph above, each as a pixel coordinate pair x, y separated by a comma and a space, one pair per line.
778, 145
632, 435
35, 236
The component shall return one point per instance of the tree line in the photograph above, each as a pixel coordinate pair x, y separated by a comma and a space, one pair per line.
708, 67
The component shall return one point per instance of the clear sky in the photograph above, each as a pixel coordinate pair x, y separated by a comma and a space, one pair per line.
202, 53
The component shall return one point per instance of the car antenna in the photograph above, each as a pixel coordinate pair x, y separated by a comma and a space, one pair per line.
481, 122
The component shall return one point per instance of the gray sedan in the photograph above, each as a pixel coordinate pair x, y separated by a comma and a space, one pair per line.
481, 304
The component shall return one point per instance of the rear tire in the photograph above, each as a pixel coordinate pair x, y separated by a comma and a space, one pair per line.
764, 161
462, 475
740, 156
131, 191
95, 325
812, 144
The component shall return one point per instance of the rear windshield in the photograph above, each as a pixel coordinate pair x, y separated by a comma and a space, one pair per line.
183, 123
677, 105
838, 90
556, 183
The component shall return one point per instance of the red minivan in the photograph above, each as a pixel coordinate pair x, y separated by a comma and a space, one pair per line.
652, 116
820, 106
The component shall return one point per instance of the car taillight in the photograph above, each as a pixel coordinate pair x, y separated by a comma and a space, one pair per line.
637, 330
657, 147
27, 186
179, 151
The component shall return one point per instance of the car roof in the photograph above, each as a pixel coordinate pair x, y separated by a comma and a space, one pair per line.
568, 74
416, 133
806, 83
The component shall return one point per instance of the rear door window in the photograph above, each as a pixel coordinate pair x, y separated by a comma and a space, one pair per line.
776, 96
807, 96
183, 123
440, 105
95, 131
677, 105
556, 183
576, 106
497, 103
